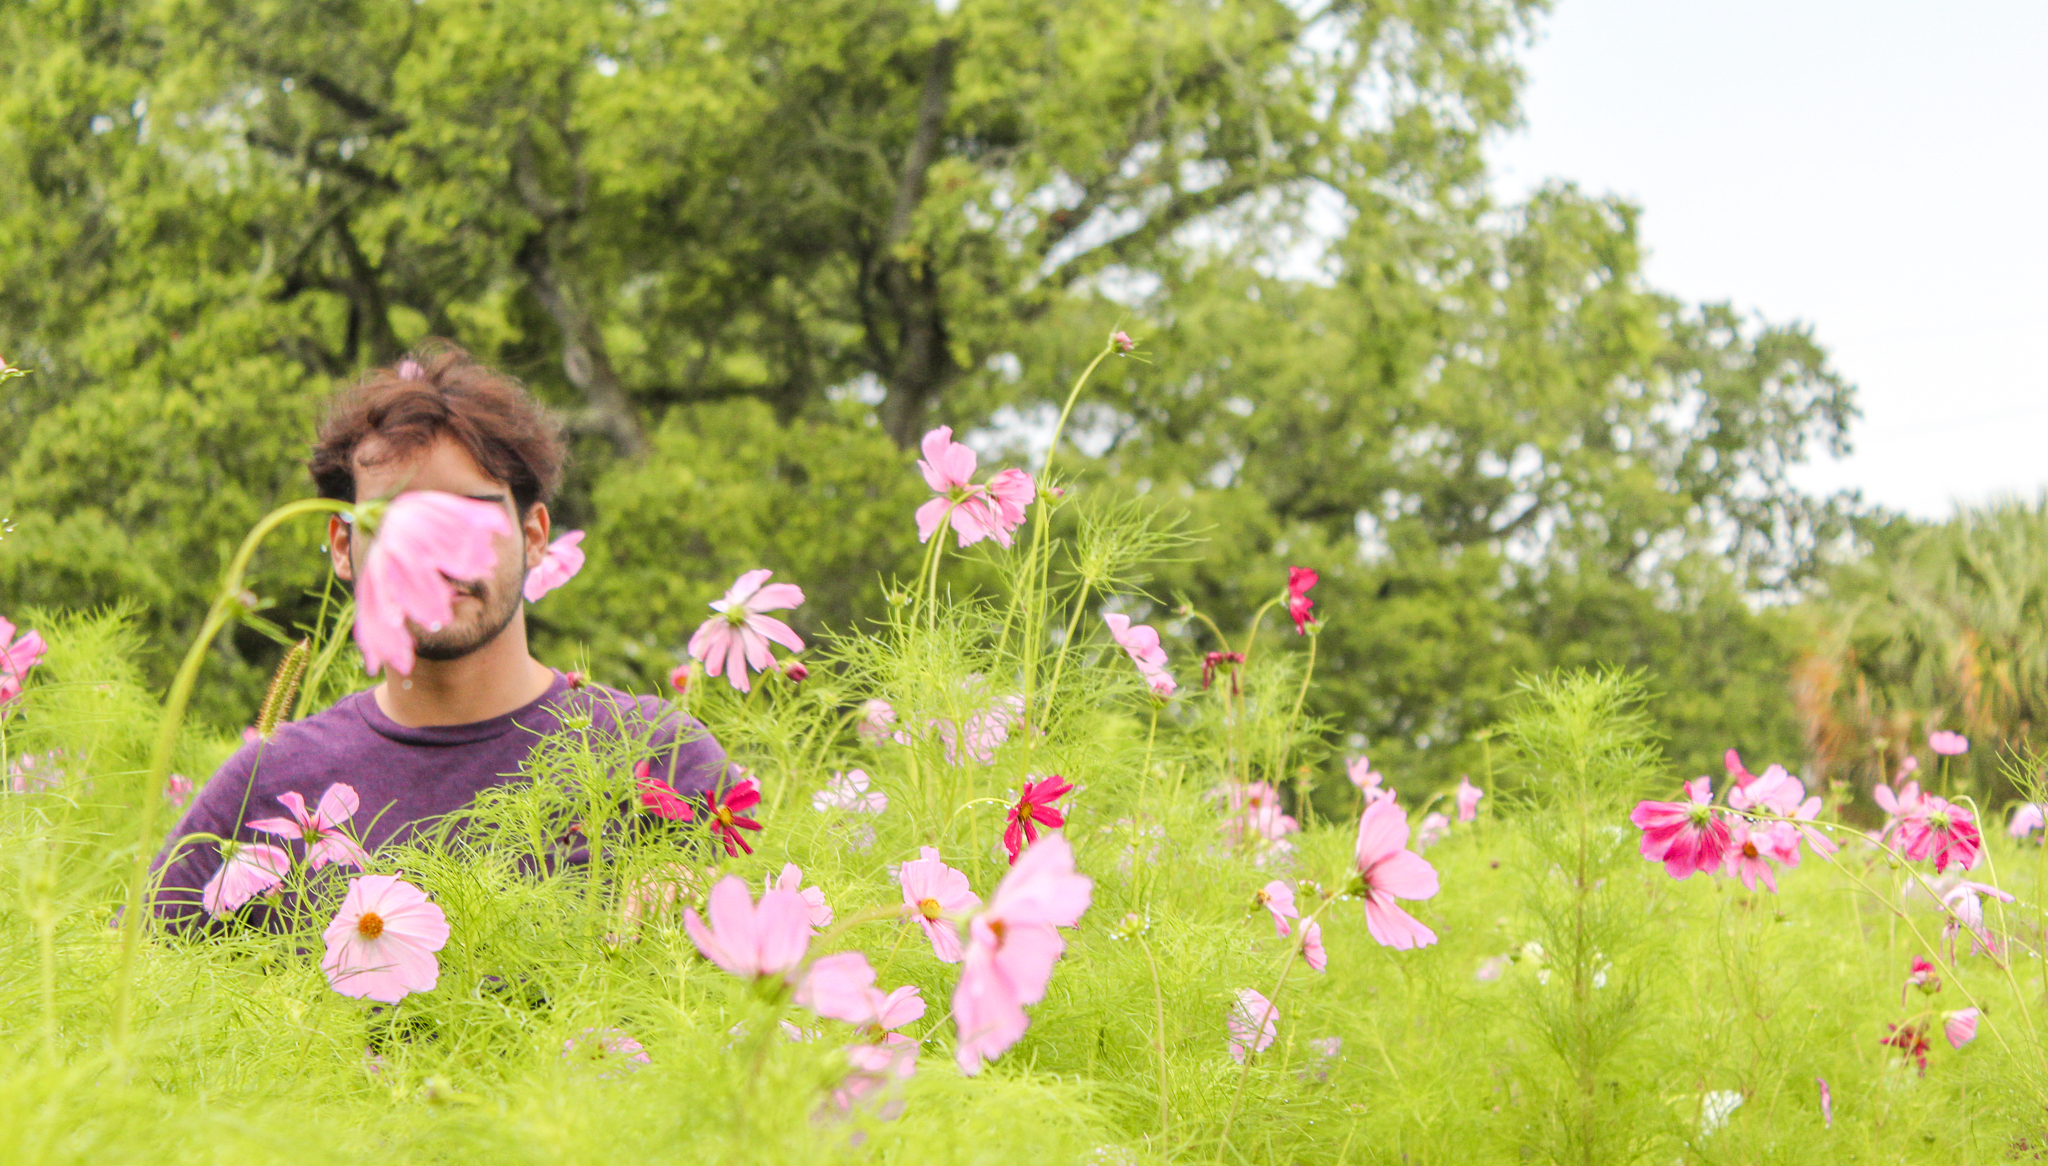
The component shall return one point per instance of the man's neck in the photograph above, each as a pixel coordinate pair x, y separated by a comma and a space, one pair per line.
496, 679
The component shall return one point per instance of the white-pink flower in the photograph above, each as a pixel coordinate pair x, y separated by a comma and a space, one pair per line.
247, 869
1365, 777
1253, 1024
382, 942
2026, 818
738, 637
320, 828
849, 792
791, 879
558, 565
1012, 947
1468, 799
1312, 946
975, 511
1960, 1026
749, 940
1434, 829
1278, 898
1141, 643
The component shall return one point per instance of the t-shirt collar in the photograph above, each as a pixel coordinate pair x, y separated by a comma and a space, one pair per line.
524, 716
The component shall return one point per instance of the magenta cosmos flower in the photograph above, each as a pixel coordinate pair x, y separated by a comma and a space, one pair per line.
1034, 808
427, 542
738, 637
1011, 949
1141, 643
1299, 580
1688, 837
321, 828
1944, 832
558, 565
727, 814
1253, 1023
1948, 744
247, 869
660, 797
1468, 799
1278, 898
382, 942
1389, 872
17, 656
752, 941
937, 895
975, 511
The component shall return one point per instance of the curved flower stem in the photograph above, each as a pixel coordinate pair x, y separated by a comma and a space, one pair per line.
1251, 633
180, 695
1159, 1035
1301, 805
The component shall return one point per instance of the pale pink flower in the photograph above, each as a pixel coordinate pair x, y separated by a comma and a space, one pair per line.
1908, 803
1434, 829
1141, 644
320, 828
177, 790
1256, 816
605, 1046
878, 723
1121, 342
751, 941
382, 942
1827, 1105
1965, 907
1365, 777
875, 1067
247, 869
1747, 846
837, 986
848, 792
427, 542
1468, 799
790, 879
1278, 898
937, 896
975, 511
986, 730
1490, 969
1012, 947
1389, 872
1312, 946
738, 638
1773, 790
1688, 837
1253, 1024
558, 564
1960, 1027
1815, 837
2026, 818
1324, 1053
17, 656
1948, 744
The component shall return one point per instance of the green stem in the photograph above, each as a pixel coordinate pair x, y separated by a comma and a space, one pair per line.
1159, 1034
180, 695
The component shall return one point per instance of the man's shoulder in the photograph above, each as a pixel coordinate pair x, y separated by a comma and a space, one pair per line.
624, 713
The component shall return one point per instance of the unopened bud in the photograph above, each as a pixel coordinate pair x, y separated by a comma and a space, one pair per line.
795, 671
1121, 342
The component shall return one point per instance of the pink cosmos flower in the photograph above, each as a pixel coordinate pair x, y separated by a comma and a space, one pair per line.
790, 879
1747, 845
1960, 1027
1034, 807
1141, 643
1434, 829
382, 942
321, 828
875, 1067
1815, 837
1278, 898
986, 730
558, 565
1256, 814
1948, 744
1012, 947
679, 678
1922, 977
848, 792
659, 796
1468, 799
17, 656
1908, 803
1253, 1024
752, 941
1299, 580
2026, 818
1367, 779
975, 511
427, 542
878, 723
1389, 872
1688, 837
1312, 946
738, 638
933, 891
1827, 1105
837, 987
1943, 832
177, 790
1773, 790
727, 815
1965, 906
606, 1046
247, 869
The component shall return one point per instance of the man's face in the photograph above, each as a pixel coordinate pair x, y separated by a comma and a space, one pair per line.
483, 607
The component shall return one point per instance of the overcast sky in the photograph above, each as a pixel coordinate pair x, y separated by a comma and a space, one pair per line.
1875, 168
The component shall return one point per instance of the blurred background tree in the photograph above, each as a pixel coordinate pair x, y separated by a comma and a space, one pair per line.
753, 250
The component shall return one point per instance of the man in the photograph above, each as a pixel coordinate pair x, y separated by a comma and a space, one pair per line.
415, 748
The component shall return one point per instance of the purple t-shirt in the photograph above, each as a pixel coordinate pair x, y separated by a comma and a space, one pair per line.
406, 776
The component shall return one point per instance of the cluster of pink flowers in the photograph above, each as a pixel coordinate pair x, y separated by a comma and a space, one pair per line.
1254, 821
985, 730
1909, 1040
1764, 823
249, 869
1926, 826
725, 809
1141, 643
975, 511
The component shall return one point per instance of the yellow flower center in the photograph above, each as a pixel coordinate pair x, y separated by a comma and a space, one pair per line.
369, 925
929, 908
725, 815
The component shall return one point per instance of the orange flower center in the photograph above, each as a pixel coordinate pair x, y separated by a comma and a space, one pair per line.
725, 815
929, 908
1748, 849
369, 925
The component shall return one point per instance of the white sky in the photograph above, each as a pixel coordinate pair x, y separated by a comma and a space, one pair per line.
1873, 167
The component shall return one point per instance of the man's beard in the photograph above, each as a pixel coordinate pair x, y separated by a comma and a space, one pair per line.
500, 603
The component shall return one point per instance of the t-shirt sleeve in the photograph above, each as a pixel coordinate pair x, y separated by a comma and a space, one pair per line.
185, 864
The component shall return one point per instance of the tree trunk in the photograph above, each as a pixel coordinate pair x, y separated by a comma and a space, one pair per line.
923, 362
